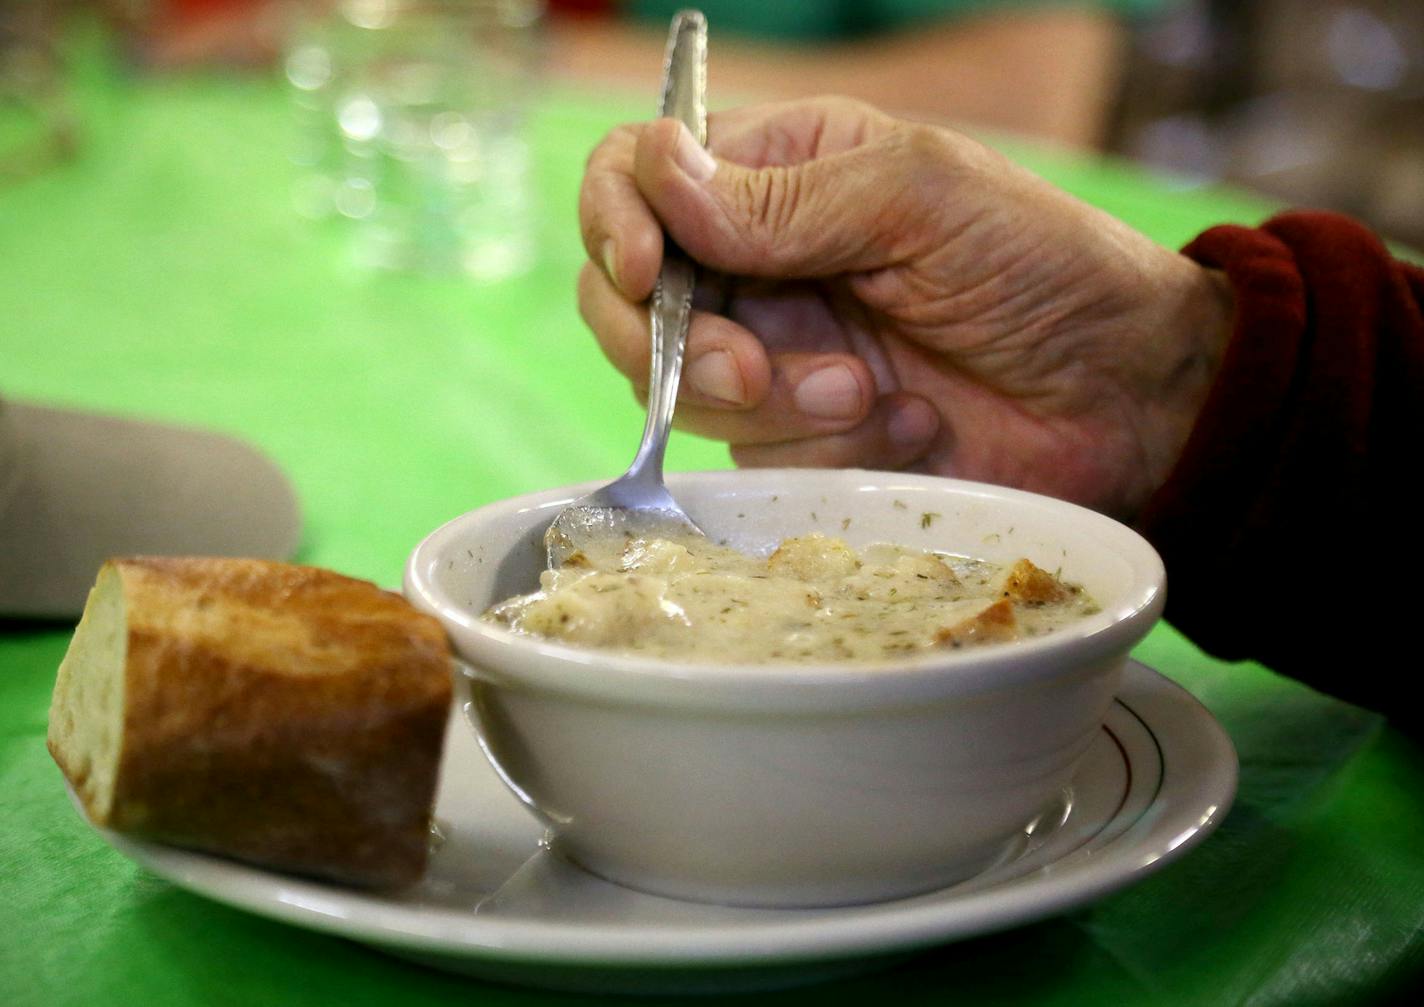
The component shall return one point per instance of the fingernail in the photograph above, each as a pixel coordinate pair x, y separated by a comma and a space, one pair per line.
831, 393
913, 423
692, 157
716, 376
610, 260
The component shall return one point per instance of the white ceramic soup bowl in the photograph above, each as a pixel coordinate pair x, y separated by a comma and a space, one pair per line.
785, 784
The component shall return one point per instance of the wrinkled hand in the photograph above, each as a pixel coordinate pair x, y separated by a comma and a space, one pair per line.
889, 294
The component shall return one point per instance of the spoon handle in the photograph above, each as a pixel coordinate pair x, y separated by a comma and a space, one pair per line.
684, 99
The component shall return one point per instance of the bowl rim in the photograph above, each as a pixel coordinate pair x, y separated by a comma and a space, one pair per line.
488, 651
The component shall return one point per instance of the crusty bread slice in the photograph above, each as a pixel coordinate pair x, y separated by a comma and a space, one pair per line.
279, 714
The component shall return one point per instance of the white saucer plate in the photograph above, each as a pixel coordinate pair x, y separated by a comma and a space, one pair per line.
496, 903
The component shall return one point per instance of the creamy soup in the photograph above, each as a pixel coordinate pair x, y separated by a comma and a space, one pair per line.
814, 599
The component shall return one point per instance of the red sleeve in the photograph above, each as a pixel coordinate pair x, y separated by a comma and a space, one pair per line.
1289, 526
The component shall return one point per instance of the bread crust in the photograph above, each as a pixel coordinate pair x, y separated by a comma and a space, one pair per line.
1027, 584
995, 623
284, 715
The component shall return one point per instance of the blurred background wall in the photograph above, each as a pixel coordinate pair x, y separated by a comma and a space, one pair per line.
1314, 102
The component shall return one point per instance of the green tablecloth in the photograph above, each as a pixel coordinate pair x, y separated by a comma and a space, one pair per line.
163, 274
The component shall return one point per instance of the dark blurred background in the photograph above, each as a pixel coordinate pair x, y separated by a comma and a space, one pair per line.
1312, 102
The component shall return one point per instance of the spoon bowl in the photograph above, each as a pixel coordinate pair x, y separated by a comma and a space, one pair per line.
637, 505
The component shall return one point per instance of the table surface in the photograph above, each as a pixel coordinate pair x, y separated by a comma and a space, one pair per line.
163, 273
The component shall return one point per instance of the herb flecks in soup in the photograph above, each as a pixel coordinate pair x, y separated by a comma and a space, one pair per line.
814, 599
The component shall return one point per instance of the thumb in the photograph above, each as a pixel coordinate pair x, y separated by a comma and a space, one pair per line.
852, 211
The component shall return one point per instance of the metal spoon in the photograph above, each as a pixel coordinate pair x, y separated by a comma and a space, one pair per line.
638, 504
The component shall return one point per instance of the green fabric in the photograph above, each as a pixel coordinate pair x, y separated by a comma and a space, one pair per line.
836, 20
162, 273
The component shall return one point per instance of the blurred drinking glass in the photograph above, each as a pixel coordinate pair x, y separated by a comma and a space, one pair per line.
412, 122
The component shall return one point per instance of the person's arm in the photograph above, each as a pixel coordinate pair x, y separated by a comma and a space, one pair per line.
1290, 527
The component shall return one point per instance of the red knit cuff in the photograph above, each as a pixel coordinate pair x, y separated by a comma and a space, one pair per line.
1300, 438
1234, 440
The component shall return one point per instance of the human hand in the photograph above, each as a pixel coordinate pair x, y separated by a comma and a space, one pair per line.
893, 294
